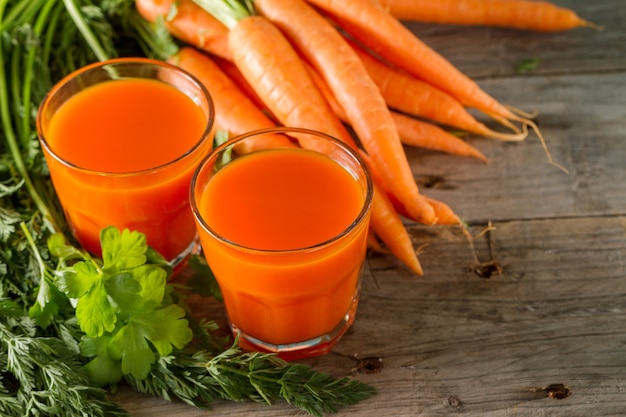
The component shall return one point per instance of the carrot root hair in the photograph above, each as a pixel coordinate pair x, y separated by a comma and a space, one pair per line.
522, 113
508, 137
544, 145
528, 123
507, 123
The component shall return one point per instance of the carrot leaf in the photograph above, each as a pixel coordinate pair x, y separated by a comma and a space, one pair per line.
527, 65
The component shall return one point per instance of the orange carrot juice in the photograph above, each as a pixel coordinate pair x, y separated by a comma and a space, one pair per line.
284, 231
122, 151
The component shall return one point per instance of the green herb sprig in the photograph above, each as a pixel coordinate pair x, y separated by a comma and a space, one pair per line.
122, 305
199, 378
42, 375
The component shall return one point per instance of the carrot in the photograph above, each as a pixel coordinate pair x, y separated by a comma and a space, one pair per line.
328, 95
280, 79
389, 227
231, 70
413, 132
234, 111
445, 214
519, 14
372, 25
373, 244
409, 94
327, 51
386, 223
188, 22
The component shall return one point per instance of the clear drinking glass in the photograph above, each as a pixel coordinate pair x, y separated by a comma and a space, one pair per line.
121, 152
289, 285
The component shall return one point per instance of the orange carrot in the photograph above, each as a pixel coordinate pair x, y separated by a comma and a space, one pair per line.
372, 25
386, 223
328, 95
280, 78
234, 111
414, 132
327, 51
445, 214
519, 14
373, 244
230, 69
188, 22
389, 227
408, 94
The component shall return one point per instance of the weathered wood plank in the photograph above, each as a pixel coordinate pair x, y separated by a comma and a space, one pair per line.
581, 118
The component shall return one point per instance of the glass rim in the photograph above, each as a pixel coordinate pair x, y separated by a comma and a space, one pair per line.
365, 206
113, 62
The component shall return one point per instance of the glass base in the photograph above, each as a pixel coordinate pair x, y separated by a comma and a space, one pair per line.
316, 346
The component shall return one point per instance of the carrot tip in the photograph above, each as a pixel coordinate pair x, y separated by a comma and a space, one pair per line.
416, 267
480, 156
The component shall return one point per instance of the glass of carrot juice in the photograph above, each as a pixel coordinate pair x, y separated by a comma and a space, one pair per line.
122, 139
284, 231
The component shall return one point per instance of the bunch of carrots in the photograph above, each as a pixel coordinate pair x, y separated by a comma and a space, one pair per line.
332, 65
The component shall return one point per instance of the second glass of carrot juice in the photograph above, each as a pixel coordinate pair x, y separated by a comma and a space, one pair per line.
284, 230
122, 139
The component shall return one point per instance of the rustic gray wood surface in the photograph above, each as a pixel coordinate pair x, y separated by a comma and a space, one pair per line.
532, 320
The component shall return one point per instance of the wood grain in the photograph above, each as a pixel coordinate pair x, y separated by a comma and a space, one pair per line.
529, 320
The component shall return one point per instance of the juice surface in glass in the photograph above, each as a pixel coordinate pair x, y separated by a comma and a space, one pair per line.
125, 125
286, 243
281, 200
122, 152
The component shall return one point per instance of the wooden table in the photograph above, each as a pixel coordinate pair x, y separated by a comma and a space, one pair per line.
540, 328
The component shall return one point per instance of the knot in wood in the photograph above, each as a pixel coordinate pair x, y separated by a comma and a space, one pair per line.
454, 401
370, 365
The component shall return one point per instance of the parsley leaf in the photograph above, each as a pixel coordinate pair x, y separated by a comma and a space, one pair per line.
165, 328
102, 369
122, 250
94, 311
152, 280
121, 306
